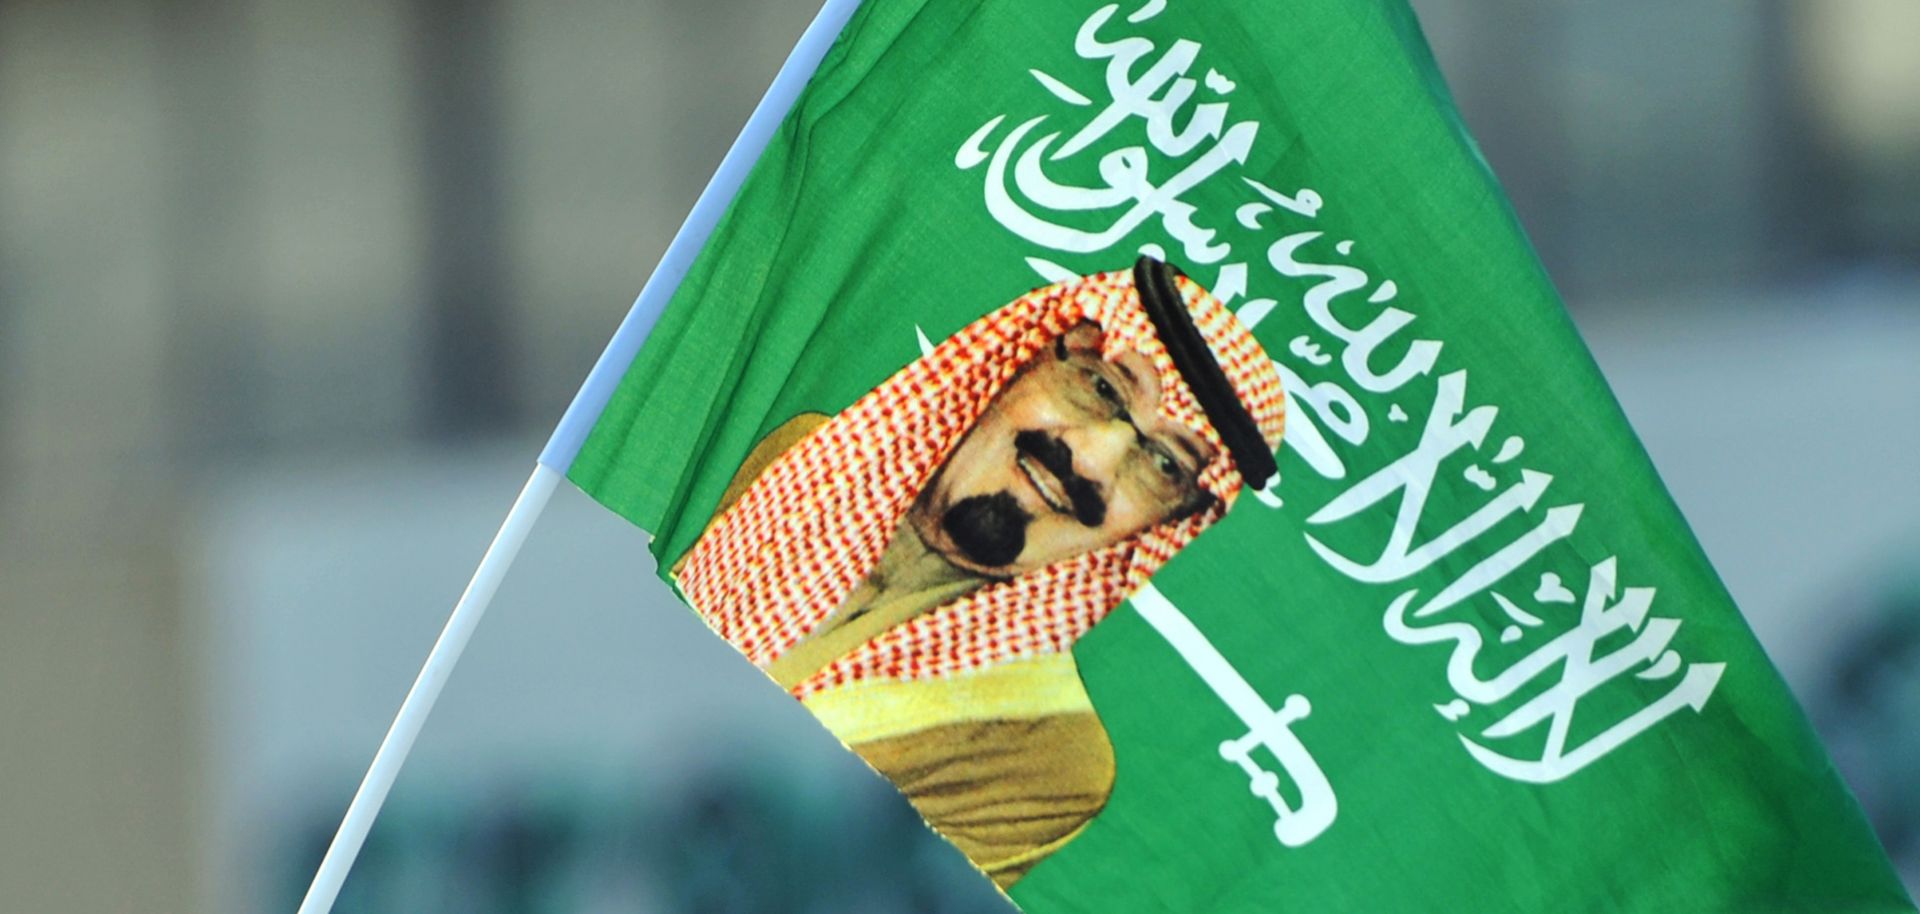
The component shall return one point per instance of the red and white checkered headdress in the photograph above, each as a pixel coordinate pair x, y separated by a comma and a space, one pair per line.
815, 523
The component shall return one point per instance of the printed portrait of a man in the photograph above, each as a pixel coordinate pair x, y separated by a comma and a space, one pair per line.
917, 568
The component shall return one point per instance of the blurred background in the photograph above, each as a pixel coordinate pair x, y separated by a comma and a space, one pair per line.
291, 292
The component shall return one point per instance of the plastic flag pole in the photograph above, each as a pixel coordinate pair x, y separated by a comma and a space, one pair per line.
565, 443
426, 689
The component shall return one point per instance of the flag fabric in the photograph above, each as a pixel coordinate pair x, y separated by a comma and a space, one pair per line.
1143, 434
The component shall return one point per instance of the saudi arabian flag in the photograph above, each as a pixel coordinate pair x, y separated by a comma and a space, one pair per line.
1144, 434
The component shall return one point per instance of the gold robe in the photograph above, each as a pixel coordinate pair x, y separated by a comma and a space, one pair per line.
1008, 762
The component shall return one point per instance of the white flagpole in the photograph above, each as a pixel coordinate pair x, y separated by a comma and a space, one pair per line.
426, 689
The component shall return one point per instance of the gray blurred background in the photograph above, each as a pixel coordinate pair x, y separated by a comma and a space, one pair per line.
290, 293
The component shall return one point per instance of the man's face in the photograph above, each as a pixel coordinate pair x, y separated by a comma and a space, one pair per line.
1071, 456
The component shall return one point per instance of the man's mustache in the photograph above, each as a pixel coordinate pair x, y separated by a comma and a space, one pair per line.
1089, 506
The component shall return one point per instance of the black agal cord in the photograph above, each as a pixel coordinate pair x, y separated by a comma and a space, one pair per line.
1168, 309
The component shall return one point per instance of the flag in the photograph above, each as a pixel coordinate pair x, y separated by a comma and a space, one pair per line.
1144, 435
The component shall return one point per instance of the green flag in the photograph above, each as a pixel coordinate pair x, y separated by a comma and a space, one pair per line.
962, 427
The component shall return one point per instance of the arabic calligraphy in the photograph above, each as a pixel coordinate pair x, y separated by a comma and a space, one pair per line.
1145, 152
1582, 673
1155, 97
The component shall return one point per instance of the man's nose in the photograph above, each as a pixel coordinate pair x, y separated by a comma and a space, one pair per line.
1103, 449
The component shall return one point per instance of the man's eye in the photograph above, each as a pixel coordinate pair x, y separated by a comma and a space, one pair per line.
1105, 389
1168, 466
